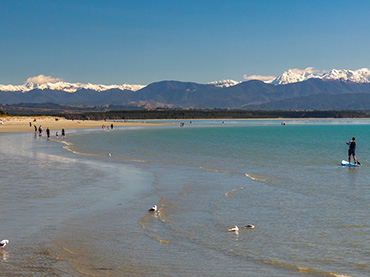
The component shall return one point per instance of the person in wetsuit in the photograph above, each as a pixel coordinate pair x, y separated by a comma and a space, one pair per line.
351, 150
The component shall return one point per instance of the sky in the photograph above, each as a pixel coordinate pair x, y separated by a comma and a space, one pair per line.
140, 42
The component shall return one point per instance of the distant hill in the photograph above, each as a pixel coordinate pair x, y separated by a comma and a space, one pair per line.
325, 102
80, 97
312, 94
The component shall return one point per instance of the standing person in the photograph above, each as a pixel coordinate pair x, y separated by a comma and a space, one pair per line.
48, 132
351, 150
111, 126
63, 133
40, 131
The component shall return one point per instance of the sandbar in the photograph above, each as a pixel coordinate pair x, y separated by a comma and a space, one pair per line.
16, 124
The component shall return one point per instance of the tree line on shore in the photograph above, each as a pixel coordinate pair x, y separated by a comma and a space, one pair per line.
195, 114
212, 114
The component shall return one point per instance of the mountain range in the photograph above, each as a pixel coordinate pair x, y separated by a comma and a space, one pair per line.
67, 87
293, 76
292, 90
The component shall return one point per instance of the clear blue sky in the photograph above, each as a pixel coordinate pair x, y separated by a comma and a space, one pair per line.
139, 42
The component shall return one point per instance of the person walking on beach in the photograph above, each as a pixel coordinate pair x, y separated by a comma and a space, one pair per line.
40, 131
48, 132
63, 133
351, 150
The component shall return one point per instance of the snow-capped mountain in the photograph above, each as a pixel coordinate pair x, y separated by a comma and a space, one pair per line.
293, 76
224, 83
68, 87
290, 76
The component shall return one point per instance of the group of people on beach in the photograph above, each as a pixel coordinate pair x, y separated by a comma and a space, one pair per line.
39, 131
103, 127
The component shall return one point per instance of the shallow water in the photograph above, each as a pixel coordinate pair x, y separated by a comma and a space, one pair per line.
87, 213
44, 188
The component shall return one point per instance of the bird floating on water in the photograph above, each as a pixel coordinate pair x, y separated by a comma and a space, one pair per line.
3, 243
249, 226
153, 209
234, 229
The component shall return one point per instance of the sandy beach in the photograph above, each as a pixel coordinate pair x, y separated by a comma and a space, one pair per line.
10, 124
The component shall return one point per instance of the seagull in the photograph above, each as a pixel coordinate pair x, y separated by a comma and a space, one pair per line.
235, 229
249, 226
109, 155
3, 243
153, 209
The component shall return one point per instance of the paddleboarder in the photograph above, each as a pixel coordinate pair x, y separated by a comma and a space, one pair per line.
351, 150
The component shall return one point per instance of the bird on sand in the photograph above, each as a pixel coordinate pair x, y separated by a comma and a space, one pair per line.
234, 229
153, 209
3, 243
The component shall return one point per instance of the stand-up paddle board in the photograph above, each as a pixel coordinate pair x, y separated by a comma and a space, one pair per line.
345, 163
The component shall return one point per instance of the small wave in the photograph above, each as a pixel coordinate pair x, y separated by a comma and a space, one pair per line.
250, 176
147, 218
64, 142
162, 211
159, 239
135, 160
256, 178
286, 265
153, 236
68, 148
143, 225
69, 251
218, 170
306, 270
229, 193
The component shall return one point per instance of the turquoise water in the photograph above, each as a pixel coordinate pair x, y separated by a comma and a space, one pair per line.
311, 214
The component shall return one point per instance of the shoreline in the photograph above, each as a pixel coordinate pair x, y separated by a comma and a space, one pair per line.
22, 124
